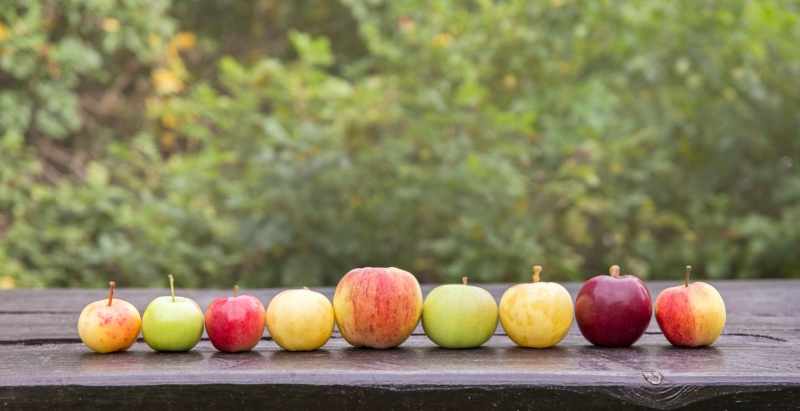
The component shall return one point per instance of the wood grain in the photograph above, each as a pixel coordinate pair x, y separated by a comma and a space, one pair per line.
756, 362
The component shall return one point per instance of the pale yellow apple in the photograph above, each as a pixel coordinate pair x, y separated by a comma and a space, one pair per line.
300, 320
538, 314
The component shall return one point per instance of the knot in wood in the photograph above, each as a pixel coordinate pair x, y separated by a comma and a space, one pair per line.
653, 377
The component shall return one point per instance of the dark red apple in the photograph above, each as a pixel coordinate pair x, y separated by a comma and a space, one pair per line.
613, 310
235, 323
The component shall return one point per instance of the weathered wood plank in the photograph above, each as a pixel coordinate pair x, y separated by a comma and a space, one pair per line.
735, 359
412, 397
650, 374
755, 362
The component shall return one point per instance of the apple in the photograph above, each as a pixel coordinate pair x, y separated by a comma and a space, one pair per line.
690, 315
172, 323
536, 315
300, 320
459, 315
109, 325
377, 307
235, 324
613, 310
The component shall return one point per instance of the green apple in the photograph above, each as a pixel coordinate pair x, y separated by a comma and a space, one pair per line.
459, 315
172, 323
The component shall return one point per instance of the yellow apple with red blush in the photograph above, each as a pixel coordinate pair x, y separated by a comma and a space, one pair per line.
109, 325
690, 315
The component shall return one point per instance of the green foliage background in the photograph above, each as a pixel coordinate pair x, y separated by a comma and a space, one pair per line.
274, 143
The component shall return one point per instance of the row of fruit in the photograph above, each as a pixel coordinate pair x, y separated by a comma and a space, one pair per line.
381, 307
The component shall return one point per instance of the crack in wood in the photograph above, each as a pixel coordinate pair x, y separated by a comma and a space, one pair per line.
757, 336
58, 341
778, 339
39, 312
335, 335
41, 341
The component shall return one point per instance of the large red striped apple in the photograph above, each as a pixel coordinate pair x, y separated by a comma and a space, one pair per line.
690, 315
377, 307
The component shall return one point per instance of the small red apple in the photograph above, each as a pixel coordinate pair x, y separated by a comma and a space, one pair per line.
690, 315
235, 324
613, 310
377, 307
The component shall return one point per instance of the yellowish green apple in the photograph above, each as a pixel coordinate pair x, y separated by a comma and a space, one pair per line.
172, 323
538, 314
459, 315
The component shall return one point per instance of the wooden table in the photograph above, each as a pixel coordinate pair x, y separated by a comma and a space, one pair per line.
755, 363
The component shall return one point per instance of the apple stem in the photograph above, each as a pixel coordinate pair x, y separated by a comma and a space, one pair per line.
111, 293
688, 270
536, 270
464, 280
172, 287
235, 290
614, 271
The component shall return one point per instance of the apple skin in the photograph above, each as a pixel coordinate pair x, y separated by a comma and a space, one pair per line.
692, 316
459, 316
300, 320
169, 325
613, 311
106, 329
377, 307
536, 315
235, 324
